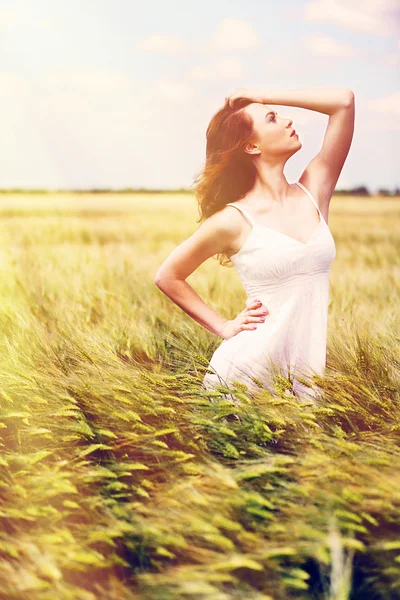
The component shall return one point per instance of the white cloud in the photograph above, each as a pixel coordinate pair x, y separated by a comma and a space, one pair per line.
234, 34
12, 19
163, 43
386, 104
25, 158
176, 91
8, 18
90, 99
92, 126
391, 59
329, 46
228, 68
375, 17
81, 79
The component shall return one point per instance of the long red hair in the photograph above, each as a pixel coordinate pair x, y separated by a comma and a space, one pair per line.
228, 173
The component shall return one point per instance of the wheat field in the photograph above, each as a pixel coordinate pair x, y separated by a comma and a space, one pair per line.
121, 481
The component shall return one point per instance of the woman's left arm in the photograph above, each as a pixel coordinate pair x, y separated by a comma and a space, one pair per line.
322, 172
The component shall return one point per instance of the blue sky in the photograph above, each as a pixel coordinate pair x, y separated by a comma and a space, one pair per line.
119, 93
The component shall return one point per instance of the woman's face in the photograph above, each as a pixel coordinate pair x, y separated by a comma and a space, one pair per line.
271, 132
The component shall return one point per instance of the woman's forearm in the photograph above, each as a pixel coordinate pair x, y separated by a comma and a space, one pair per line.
323, 100
182, 293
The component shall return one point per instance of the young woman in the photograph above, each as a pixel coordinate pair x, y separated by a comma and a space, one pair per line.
275, 233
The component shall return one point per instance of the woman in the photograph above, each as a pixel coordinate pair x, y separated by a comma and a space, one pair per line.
275, 233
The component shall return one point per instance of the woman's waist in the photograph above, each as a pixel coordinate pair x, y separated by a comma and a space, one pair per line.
303, 281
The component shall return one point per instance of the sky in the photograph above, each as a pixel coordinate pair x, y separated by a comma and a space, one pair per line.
119, 93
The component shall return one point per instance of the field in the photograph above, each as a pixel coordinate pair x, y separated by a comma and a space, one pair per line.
121, 481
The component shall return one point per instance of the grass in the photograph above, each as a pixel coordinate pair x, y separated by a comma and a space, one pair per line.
121, 480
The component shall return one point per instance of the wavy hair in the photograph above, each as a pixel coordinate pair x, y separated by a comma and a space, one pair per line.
229, 172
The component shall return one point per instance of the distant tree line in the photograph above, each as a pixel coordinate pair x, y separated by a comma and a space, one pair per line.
355, 191
364, 191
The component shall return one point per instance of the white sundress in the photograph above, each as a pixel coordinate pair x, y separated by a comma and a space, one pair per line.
291, 279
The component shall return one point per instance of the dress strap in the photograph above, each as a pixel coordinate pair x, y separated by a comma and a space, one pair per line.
309, 194
242, 210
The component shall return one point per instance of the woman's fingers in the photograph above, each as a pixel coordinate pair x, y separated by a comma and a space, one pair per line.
252, 302
252, 319
238, 93
249, 94
256, 307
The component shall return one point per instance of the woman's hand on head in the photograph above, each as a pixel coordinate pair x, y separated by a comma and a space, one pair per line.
248, 94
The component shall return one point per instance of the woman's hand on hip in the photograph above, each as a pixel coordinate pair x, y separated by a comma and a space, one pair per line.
254, 313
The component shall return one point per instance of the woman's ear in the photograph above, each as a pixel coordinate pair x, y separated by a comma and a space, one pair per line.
252, 149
